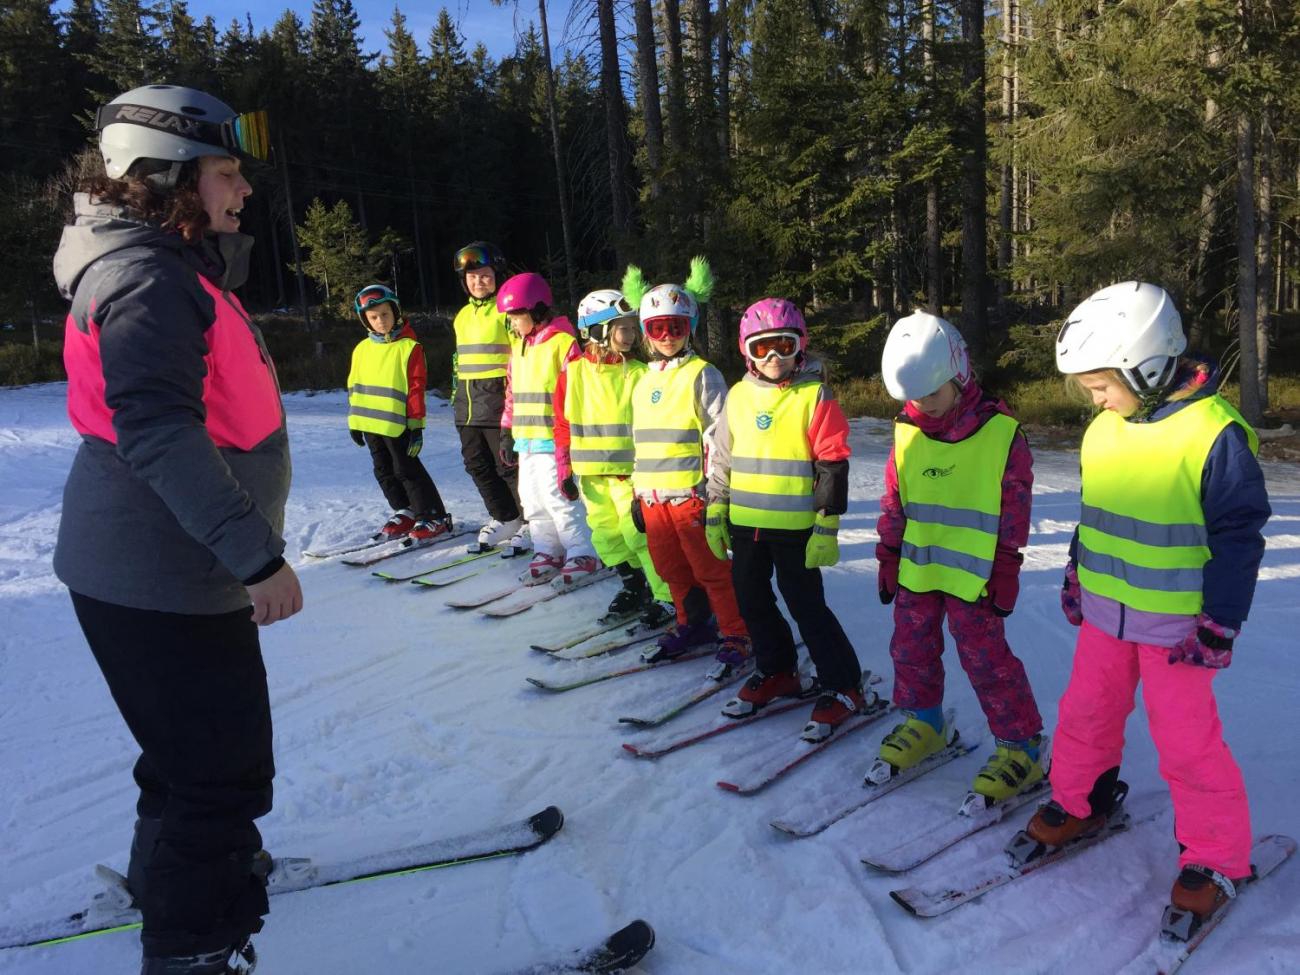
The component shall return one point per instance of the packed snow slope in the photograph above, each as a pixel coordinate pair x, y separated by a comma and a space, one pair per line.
399, 720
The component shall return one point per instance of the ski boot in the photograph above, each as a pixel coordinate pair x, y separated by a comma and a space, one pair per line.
679, 639
542, 568
832, 709
734, 657
633, 597
575, 572
493, 534
520, 543
1013, 768
428, 528
762, 689
912, 742
398, 526
658, 615
238, 959
1199, 893
1052, 826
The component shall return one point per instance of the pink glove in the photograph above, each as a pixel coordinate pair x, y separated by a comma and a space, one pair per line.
1209, 645
1004, 583
1071, 597
564, 475
887, 572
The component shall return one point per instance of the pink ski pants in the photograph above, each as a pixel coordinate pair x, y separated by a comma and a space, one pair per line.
1211, 816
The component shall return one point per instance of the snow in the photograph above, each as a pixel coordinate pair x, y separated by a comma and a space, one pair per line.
400, 721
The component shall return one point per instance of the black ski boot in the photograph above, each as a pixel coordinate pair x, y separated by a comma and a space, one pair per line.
635, 594
238, 959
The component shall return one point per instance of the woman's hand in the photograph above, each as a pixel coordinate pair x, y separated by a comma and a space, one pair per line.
277, 597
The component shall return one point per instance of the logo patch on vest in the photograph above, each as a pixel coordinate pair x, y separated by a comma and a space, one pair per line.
763, 420
656, 396
933, 472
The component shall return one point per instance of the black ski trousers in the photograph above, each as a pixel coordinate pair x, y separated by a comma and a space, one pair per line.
497, 484
403, 479
192, 690
753, 560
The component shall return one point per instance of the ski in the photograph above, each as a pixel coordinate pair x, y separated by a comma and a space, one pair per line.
617, 953
545, 592
411, 576
664, 745
932, 842
606, 624
115, 913
441, 582
1183, 933
346, 548
558, 686
483, 598
710, 687
813, 816
785, 756
402, 546
631, 637
1022, 857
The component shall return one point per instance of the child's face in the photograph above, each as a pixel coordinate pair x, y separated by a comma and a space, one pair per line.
939, 402
381, 318
1109, 393
623, 335
775, 369
668, 335
481, 282
522, 322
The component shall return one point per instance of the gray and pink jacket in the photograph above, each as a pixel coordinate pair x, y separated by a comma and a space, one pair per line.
176, 496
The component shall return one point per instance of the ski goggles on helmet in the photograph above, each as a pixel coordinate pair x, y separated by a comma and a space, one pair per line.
783, 345
247, 135
668, 327
373, 297
473, 257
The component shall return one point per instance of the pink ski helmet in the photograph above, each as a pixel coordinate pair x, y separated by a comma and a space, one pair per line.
525, 292
771, 315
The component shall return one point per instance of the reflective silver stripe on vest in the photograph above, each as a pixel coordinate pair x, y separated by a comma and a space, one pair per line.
664, 465
602, 456
937, 514
822, 530
646, 435
936, 555
600, 429
391, 393
1141, 576
398, 418
1143, 532
772, 502
532, 397
488, 349
463, 368
765, 465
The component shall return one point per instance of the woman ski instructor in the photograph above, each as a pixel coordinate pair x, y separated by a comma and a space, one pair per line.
170, 538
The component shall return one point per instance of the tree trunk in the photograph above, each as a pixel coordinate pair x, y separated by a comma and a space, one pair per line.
1264, 322
561, 175
1252, 407
933, 228
1006, 203
724, 81
974, 242
648, 89
615, 125
676, 76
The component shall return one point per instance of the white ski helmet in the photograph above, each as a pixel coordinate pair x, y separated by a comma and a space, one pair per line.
922, 353
669, 300
167, 126
599, 310
1133, 327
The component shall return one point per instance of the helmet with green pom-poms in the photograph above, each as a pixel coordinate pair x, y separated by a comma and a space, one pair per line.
670, 300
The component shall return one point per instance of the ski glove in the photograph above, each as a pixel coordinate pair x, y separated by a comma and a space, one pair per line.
715, 528
414, 442
506, 451
1071, 597
823, 548
638, 516
1004, 583
564, 475
887, 572
357, 437
1209, 645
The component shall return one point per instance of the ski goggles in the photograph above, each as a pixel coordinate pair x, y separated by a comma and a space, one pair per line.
375, 296
472, 258
247, 136
668, 327
783, 345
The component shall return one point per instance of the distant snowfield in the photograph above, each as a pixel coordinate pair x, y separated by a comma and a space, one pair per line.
398, 720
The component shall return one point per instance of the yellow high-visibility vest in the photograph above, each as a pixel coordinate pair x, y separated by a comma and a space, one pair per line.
668, 434
771, 459
482, 341
598, 404
534, 372
378, 386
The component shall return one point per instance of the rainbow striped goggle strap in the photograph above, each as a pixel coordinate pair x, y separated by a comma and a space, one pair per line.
247, 135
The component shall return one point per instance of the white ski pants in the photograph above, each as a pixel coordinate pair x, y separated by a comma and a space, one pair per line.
558, 525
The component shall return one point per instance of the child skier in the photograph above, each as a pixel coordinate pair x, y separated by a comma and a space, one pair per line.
386, 413
594, 415
562, 551
778, 476
674, 409
1160, 579
953, 518
479, 397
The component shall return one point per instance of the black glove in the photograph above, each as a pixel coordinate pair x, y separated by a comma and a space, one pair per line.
569, 488
357, 438
506, 451
638, 516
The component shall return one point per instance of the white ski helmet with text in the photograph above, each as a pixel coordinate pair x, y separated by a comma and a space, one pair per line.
922, 353
1132, 327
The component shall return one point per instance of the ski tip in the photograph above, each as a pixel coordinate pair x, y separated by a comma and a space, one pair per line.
621, 950
729, 787
541, 685
900, 898
789, 829
636, 722
548, 822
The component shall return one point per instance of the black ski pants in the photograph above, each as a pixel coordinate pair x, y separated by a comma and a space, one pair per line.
497, 484
403, 479
192, 690
753, 560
